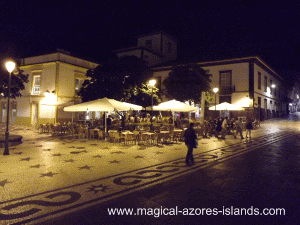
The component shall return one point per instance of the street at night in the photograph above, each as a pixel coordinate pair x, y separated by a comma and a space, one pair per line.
65, 180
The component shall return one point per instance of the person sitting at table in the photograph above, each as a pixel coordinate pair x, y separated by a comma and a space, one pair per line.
170, 120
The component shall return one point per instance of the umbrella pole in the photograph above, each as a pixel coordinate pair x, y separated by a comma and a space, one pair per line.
105, 129
173, 118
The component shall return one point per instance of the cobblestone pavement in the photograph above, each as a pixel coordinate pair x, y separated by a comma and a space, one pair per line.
47, 177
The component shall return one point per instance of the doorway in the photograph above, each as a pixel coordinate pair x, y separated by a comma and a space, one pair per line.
34, 113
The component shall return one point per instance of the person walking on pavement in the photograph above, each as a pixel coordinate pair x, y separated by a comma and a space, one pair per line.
224, 128
239, 127
190, 141
249, 127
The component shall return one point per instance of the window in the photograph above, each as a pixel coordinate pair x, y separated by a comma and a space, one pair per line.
36, 85
225, 82
78, 85
259, 102
148, 43
271, 88
259, 81
266, 83
265, 103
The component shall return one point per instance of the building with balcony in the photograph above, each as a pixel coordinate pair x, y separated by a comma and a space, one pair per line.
247, 82
54, 80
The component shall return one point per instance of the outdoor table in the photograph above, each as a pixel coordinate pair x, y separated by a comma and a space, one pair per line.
112, 134
177, 130
165, 134
128, 136
147, 135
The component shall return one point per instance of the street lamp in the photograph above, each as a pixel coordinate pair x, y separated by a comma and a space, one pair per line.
10, 66
216, 90
152, 84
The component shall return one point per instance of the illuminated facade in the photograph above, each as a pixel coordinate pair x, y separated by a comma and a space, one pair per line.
247, 82
54, 80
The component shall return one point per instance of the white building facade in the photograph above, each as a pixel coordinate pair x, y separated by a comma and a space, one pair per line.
54, 80
247, 82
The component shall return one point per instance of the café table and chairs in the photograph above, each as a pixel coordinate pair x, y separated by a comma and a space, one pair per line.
129, 137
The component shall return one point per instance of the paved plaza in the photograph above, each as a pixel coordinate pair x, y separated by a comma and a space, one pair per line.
46, 178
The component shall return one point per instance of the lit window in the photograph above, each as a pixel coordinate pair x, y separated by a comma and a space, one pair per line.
36, 85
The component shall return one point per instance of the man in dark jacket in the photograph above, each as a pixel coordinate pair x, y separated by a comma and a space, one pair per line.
190, 141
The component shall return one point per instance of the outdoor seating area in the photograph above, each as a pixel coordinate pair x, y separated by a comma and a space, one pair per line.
136, 128
137, 134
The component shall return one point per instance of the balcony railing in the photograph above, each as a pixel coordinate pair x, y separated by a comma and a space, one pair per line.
227, 89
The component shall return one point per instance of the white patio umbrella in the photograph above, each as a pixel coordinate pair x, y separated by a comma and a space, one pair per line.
102, 105
226, 106
173, 106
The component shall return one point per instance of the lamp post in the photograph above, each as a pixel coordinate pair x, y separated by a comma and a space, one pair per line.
152, 84
10, 66
216, 90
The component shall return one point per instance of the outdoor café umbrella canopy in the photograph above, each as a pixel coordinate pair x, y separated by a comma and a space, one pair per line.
174, 106
226, 106
102, 105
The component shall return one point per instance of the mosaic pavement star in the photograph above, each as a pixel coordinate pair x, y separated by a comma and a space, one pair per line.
36, 166
115, 161
3, 182
97, 188
118, 152
77, 152
25, 159
86, 167
69, 160
50, 174
57, 154
19, 153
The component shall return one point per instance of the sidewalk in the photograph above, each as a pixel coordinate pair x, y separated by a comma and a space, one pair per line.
94, 171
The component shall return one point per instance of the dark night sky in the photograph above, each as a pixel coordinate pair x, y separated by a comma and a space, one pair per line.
206, 30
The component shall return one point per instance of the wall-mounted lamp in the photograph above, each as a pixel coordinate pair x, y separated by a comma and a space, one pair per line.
273, 86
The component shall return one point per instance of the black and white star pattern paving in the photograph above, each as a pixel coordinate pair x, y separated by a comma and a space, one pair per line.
114, 161
50, 174
3, 182
97, 188
69, 160
36, 166
26, 159
86, 167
